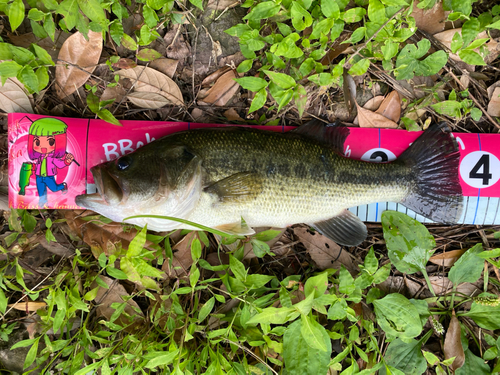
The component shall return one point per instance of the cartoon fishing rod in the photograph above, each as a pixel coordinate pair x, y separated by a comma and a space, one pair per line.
47, 149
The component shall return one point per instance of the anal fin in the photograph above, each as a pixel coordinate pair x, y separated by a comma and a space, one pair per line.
346, 229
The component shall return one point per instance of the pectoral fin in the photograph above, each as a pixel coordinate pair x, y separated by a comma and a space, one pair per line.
240, 229
237, 187
346, 229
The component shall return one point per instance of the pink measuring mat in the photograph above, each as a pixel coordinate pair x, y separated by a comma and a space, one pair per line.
79, 144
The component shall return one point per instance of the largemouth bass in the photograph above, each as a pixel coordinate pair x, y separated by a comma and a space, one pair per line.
218, 176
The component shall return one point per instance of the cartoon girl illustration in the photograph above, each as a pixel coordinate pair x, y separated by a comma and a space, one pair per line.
47, 150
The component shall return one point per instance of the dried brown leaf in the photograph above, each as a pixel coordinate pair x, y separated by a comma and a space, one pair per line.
211, 78
233, 116
222, 4
124, 63
114, 294
453, 345
83, 56
182, 256
430, 20
165, 66
369, 119
117, 92
447, 259
391, 107
146, 79
177, 47
149, 100
323, 251
13, 97
27, 306
494, 104
373, 104
223, 90
107, 238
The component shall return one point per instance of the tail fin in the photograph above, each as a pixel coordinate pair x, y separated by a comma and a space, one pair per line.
435, 192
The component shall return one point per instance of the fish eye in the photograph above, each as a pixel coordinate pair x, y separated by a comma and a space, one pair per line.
123, 163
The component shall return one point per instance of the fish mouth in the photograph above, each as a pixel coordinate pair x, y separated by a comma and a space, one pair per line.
110, 190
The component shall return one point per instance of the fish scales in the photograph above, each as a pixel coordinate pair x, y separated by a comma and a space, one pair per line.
302, 178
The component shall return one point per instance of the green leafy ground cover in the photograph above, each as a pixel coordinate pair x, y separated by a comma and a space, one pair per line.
126, 301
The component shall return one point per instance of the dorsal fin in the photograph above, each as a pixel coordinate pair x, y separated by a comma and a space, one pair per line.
332, 135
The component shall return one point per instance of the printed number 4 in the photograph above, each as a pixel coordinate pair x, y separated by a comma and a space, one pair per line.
485, 175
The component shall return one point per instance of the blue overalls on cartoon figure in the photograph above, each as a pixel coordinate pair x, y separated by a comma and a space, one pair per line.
47, 150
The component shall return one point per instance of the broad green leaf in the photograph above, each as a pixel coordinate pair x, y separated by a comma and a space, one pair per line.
263, 10
238, 268
273, 315
9, 69
360, 67
301, 18
470, 29
473, 365
471, 57
432, 64
3, 301
206, 309
137, 244
390, 49
260, 248
376, 12
238, 30
35, 15
28, 77
256, 281
314, 333
316, 285
448, 107
300, 358
371, 262
397, 316
402, 234
50, 27
43, 55
107, 116
346, 285
485, 316
162, 359
258, 101
267, 235
300, 98
116, 32
69, 9
354, 15
252, 83
330, 9
322, 27
305, 306
116, 273
31, 356
148, 54
93, 10
373, 294
150, 16
468, 268
197, 3
406, 357
357, 35
93, 102
245, 66
128, 42
16, 14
